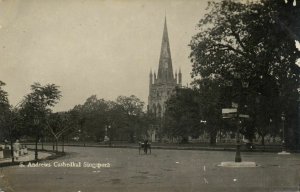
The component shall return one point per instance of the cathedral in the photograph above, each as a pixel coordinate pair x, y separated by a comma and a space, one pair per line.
162, 84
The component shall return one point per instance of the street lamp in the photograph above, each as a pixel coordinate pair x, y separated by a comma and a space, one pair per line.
283, 136
270, 122
238, 157
204, 134
106, 138
109, 128
240, 85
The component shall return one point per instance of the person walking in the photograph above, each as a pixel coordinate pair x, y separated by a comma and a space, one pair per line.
146, 146
16, 149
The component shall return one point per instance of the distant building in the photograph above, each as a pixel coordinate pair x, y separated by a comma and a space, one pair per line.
162, 84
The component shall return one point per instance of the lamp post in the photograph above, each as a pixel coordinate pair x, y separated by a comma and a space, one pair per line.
11, 139
238, 157
204, 134
240, 86
283, 130
109, 128
82, 129
270, 122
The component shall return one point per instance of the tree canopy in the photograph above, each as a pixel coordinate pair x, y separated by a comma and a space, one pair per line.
182, 116
250, 41
37, 104
122, 119
4, 111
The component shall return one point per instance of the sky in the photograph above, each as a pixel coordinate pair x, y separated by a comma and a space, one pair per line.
92, 47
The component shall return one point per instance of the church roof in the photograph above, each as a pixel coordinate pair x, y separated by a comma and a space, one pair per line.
165, 69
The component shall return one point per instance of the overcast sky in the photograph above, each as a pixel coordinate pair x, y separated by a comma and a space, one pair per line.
90, 47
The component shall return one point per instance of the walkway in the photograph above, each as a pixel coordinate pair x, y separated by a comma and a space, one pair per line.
28, 157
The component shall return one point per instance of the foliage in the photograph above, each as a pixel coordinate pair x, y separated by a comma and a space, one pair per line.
36, 105
210, 90
59, 124
120, 120
132, 108
248, 41
93, 117
182, 114
4, 112
3, 96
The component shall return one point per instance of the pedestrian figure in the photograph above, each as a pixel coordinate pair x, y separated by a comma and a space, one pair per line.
16, 149
146, 146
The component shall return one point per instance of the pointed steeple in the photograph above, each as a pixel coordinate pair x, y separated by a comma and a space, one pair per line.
165, 70
179, 77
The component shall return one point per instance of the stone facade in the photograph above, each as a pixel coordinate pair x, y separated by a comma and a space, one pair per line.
162, 85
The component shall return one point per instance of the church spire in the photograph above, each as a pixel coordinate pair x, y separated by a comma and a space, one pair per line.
165, 70
180, 77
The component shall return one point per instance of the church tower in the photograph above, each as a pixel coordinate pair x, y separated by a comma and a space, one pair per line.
162, 85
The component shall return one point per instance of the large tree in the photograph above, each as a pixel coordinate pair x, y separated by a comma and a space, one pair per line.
4, 111
132, 108
10, 120
122, 119
59, 125
94, 117
182, 117
35, 107
210, 105
248, 39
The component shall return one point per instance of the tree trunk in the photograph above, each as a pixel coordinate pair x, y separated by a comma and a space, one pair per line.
56, 144
12, 150
42, 143
63, 144
84, 140
263, 140
36, 148
212, 139
53, 144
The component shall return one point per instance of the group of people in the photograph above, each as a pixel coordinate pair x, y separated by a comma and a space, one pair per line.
16, 148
